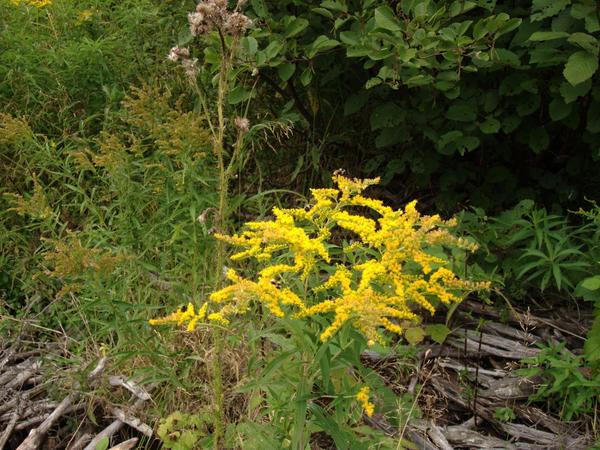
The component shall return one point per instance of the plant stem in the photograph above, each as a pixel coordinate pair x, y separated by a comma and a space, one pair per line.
220, 222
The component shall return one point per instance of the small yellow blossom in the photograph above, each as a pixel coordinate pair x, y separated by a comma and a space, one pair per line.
363, 398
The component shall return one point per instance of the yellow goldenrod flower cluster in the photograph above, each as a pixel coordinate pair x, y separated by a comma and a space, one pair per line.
36, 3
184, 315
70, 259
394, 269
36, 206
363, 398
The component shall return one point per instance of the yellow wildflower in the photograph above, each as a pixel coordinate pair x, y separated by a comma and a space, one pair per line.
363, 398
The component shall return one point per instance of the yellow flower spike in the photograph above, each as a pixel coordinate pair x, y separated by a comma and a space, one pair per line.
363, 398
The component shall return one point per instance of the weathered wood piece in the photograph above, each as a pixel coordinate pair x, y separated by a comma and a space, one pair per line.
130, 385
126, 445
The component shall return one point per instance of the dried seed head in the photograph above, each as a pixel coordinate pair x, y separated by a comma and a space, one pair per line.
242, 124
190, 66
177, 53
213, 14
237, 24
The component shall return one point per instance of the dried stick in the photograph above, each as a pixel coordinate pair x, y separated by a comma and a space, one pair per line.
34, 440
131, 386
80, 442
127, 445
36, 436
9, 429
112, 428
132, 421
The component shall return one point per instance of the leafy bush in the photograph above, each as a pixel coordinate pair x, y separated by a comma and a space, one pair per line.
484, 101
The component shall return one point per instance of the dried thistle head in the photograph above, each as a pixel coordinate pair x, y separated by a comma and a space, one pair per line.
190, 67
178, 53
213, 15
242, 124
236, 24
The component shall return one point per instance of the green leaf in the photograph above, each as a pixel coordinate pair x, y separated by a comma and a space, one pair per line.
591, 347
387, 115
539, 139
295, 27
580, 67
540, 36
414, 335
323, 12
102, 443
321, 44
461, 112
351, 38
285, 71
542, 9
386, 19
571, 93
334, 5
260, 8
249, 44
438, 332
585, 41
490, 125
558, 109
238, 94
306, 77
354, 103
592, 283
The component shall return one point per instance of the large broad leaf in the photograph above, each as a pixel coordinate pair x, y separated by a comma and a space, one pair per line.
414, 335
295, 27
462, 112
387, 115
438, 332
580, 67
386, 19
547, 8
585, 41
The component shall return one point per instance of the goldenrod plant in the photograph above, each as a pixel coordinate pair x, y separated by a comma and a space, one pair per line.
345, 272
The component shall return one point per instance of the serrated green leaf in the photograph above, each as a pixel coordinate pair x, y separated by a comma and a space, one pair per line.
438, 332
585, 41
542, 9
571, 93
414, 335
580, 67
